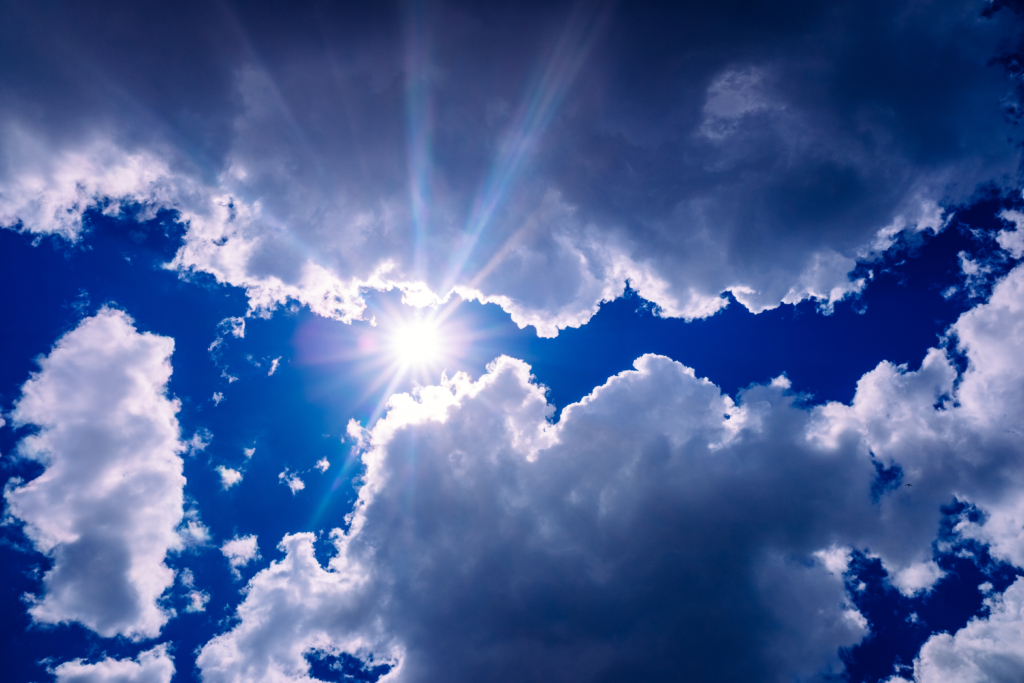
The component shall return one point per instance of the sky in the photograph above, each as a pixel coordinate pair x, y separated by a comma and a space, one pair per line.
539, 341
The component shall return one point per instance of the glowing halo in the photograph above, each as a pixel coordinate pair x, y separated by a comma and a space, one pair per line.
416, 343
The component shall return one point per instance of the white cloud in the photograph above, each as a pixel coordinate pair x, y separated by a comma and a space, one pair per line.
217, 398
292, 481
151, 666
197, 601
228, 476
290, 608
1012, 240
241, 550
50, 189
987, 649
917, 578
199, 441
249, 452
323, 464
273, 366
107, 505
192, 533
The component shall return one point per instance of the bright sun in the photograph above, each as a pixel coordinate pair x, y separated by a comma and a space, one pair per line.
416, 343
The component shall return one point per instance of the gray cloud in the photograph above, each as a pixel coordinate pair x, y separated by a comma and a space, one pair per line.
531, 155
658, 529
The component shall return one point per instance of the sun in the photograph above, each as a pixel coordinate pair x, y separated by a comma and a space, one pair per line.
416, 343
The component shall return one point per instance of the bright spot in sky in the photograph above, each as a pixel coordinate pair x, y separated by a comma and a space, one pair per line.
416, 343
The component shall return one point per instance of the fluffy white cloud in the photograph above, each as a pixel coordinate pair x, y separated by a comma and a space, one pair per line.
106, 507
485, 536
291, 608
228, 476
241, 550
152, 666
917, 578
292, 481
986, 650
197, 601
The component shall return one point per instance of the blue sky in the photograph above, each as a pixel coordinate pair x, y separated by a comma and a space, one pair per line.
461, 341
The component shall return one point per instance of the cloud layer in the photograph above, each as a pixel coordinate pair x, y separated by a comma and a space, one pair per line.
533, 156
106, 507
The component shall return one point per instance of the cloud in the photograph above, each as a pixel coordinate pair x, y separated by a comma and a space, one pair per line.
581, 548
293, 598
658, 522
106, 507
240, 551
917, 578
228, 476
151, 666
717, 151
986, 649
292, 481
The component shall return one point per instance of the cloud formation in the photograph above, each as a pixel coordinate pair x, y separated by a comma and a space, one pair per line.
152, 666
240, 551
658, 523
987, 649
106, 507
532, 157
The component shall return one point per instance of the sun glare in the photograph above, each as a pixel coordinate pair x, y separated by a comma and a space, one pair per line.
416, 343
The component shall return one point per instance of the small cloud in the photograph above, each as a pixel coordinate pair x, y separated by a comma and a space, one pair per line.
249, 452
187, 578
217, 398
192, 531
273, 366
986, 587
292, 480
240, 551
234, 326
199, 441
197, 601
228, 476
917, 578
323, 464
835, 560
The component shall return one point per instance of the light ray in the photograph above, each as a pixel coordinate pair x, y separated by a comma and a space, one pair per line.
419, 123
531, 122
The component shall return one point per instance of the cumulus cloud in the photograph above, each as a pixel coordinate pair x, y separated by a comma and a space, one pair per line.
580, 547
766, 171
228, 476
240, 551
485, 536
108, 503
151, 666
987, 649
292, 481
